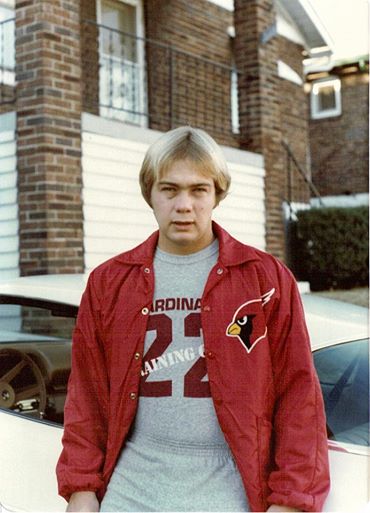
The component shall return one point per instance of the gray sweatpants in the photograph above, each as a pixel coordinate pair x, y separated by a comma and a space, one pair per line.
154, 475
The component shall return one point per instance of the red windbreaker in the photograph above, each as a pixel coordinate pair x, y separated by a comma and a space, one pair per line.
263, 383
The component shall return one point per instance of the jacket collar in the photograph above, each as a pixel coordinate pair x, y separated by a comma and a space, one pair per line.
231, 251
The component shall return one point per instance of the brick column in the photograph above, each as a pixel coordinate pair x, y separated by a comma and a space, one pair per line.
48, 73
256, 53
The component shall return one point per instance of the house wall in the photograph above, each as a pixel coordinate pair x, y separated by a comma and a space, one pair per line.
198, 27
182, 88
89, 38
339, 145
48, 108
294, 120
9, 225
7, 98
270, 107
116, 217
200, 90
50, 103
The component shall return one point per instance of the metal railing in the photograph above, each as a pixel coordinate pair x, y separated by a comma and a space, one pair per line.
299, 186
149, 83
7, 61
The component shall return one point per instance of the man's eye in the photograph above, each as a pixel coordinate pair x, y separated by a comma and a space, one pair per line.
167, 189
200, 189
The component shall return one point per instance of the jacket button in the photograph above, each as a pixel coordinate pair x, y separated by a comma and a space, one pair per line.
220, 271
137, 356
207, 308
132, 395
210, 354
147, 270
145, 310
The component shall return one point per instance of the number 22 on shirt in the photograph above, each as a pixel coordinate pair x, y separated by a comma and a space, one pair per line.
193, 384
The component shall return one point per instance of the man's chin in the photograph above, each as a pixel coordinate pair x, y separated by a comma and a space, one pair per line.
182, 244
183, 239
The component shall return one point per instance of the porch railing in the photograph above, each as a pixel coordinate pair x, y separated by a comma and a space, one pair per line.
299, 186
146, 82
7, 61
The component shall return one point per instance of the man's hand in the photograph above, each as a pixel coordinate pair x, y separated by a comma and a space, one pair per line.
83, 501
276, 508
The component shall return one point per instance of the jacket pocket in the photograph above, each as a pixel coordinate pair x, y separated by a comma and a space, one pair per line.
265, 463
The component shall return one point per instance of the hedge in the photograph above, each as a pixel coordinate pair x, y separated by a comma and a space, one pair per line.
329, 247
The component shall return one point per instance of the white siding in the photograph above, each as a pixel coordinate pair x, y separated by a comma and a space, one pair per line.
117, 218
9, 226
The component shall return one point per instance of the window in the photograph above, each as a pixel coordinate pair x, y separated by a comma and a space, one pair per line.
121, 61
7, 44
326, 98
234, 102
343, 372
35, 359
234, 92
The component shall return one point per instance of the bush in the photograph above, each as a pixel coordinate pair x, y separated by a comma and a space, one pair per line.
329, 247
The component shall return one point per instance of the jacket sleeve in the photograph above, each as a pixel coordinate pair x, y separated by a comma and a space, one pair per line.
85, 415
300, 476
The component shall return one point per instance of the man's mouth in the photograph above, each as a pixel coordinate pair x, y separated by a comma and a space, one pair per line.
183, 224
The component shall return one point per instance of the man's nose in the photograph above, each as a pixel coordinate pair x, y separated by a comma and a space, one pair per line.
183, 201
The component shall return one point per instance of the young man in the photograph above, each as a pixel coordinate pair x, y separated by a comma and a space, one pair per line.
192, 384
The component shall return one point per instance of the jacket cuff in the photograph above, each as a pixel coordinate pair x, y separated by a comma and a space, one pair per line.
85, 484
301, 501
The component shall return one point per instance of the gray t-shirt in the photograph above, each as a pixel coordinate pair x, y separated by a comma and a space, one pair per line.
176, 458
175, 400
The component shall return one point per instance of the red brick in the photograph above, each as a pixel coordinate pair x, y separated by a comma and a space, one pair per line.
49, 179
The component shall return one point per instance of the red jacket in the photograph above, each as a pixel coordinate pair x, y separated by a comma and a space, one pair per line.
264, 386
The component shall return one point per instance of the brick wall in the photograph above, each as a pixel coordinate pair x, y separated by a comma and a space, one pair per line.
49, 148
198, 27
339, 145
259, 107
181, 89
271, 109
200, 91
7, 98
49, 106
89, 34
294, 120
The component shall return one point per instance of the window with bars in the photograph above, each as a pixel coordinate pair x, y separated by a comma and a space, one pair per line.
121, 80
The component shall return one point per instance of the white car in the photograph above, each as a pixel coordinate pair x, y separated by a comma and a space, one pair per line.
36, 319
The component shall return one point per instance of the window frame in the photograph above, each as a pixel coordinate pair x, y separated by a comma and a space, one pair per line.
140, 34
316, 112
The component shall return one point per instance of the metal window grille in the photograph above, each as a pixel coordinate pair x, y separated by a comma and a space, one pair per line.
148, 83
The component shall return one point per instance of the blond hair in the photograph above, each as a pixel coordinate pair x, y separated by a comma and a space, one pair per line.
185, 143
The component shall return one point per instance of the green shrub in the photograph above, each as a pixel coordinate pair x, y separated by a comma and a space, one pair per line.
329, 247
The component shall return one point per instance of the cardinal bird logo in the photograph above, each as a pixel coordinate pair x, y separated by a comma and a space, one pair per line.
248, 324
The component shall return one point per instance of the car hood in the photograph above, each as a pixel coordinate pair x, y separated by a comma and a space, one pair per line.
330, 321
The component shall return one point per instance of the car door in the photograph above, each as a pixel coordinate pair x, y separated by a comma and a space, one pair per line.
35, 350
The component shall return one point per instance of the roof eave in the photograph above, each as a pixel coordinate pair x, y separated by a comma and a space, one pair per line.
308, 22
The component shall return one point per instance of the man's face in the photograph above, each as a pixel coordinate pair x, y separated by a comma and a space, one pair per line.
182, 202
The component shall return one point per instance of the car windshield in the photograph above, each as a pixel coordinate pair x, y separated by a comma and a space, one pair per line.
35, 352
343, 372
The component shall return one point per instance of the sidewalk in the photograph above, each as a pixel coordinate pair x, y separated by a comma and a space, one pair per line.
358, 295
